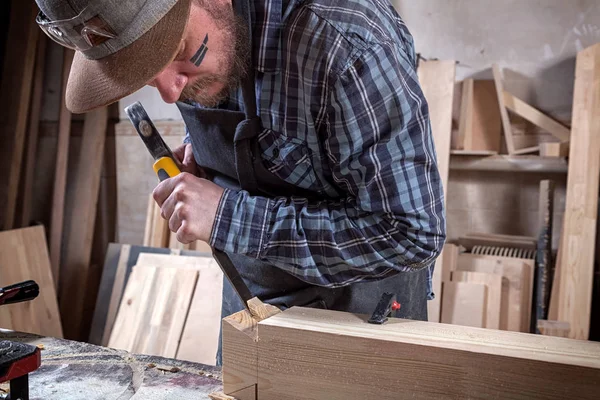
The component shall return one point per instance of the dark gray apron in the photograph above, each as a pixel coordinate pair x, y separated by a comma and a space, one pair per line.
225, 145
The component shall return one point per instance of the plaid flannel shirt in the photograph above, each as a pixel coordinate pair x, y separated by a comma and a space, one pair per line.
344, 116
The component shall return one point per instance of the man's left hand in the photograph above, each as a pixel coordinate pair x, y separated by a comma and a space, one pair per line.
190, 205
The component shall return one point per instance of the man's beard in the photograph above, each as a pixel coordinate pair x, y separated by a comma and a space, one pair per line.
234, 61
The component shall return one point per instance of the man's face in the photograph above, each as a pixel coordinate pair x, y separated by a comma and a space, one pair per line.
212, 59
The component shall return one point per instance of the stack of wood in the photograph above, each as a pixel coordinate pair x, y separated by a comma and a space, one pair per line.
513, 286
166, 305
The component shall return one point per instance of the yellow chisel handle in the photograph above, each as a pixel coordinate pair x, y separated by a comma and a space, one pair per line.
165, 168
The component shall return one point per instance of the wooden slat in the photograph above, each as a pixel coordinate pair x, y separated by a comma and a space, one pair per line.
116, 294
437, 80
24, 256
153, 311
307, 353
516, 293
17, 78
480, 126
60, 172
577, 262
464, 303
33, 131
157, 233
536, 117
465, 124
493, 303
80, 224
554, 149
506, 127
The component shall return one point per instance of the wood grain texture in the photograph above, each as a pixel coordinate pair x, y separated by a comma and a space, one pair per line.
480, 123
493, 283
465, 124
320, 354
60, 172
517, 288
17, 78
554, 149
536, 117
80, 223
437, 79
116, 293
464, 303
544, 251
33, 131
153, 311
240, 352
553, 328
24, 256
577, 260
506, 127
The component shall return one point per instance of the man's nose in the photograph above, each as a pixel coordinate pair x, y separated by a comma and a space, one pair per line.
170, 84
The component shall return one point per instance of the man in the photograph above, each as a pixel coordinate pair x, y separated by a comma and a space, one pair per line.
309, 162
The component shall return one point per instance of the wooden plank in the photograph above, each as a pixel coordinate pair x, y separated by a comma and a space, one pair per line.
577, 262
118, 286
527, 150
506, 127
528, 163
17, 78
200, 337
80, 224
553, 328
544, 251
437, 82
473, 152
517, 288
554, 149
24, 256
60, 172
321, 354
555, 292
465, 124
536, 117
493, 302
33, 131
153, 311
464, 303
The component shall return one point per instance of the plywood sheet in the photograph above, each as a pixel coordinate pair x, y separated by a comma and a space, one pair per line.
154, 310
464, 303
24, 256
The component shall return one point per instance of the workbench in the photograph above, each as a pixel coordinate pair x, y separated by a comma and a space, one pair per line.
74, 370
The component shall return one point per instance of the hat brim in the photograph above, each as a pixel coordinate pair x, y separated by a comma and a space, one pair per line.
96, 83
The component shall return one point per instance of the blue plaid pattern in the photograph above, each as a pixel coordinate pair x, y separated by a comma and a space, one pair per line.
344, 116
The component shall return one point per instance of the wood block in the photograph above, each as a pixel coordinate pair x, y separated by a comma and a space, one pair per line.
437, 80
553, 328
321, 354
154, 310
481, 126
554, 149
517, 288
493, 301
464, 304
24, 256
581, 211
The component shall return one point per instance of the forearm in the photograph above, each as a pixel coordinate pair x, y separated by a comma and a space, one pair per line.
328, 243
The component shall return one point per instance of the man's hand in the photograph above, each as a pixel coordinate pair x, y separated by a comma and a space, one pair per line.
190, 205
187, 163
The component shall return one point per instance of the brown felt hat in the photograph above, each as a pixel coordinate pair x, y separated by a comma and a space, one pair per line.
145, 37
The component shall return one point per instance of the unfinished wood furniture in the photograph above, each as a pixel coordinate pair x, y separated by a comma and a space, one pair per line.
579, 231
304, 353
507, 102
24, 256
480, 127
437, 82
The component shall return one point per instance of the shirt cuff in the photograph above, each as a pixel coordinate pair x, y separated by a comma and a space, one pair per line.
241, 224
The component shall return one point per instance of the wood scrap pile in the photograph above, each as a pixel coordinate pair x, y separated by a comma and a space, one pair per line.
513, 282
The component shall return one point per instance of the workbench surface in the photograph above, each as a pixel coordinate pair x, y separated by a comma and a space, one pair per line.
73, 370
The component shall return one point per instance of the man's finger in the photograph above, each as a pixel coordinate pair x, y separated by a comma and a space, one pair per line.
179, 153
174, 222
188, 158
164, 189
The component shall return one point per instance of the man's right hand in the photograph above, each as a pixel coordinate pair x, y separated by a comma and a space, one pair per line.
187, 163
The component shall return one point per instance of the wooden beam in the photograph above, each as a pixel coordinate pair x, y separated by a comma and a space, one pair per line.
80, 223
321, 354
536, 117
507, 128
33, 131
60, 172
577, 268
437, 80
